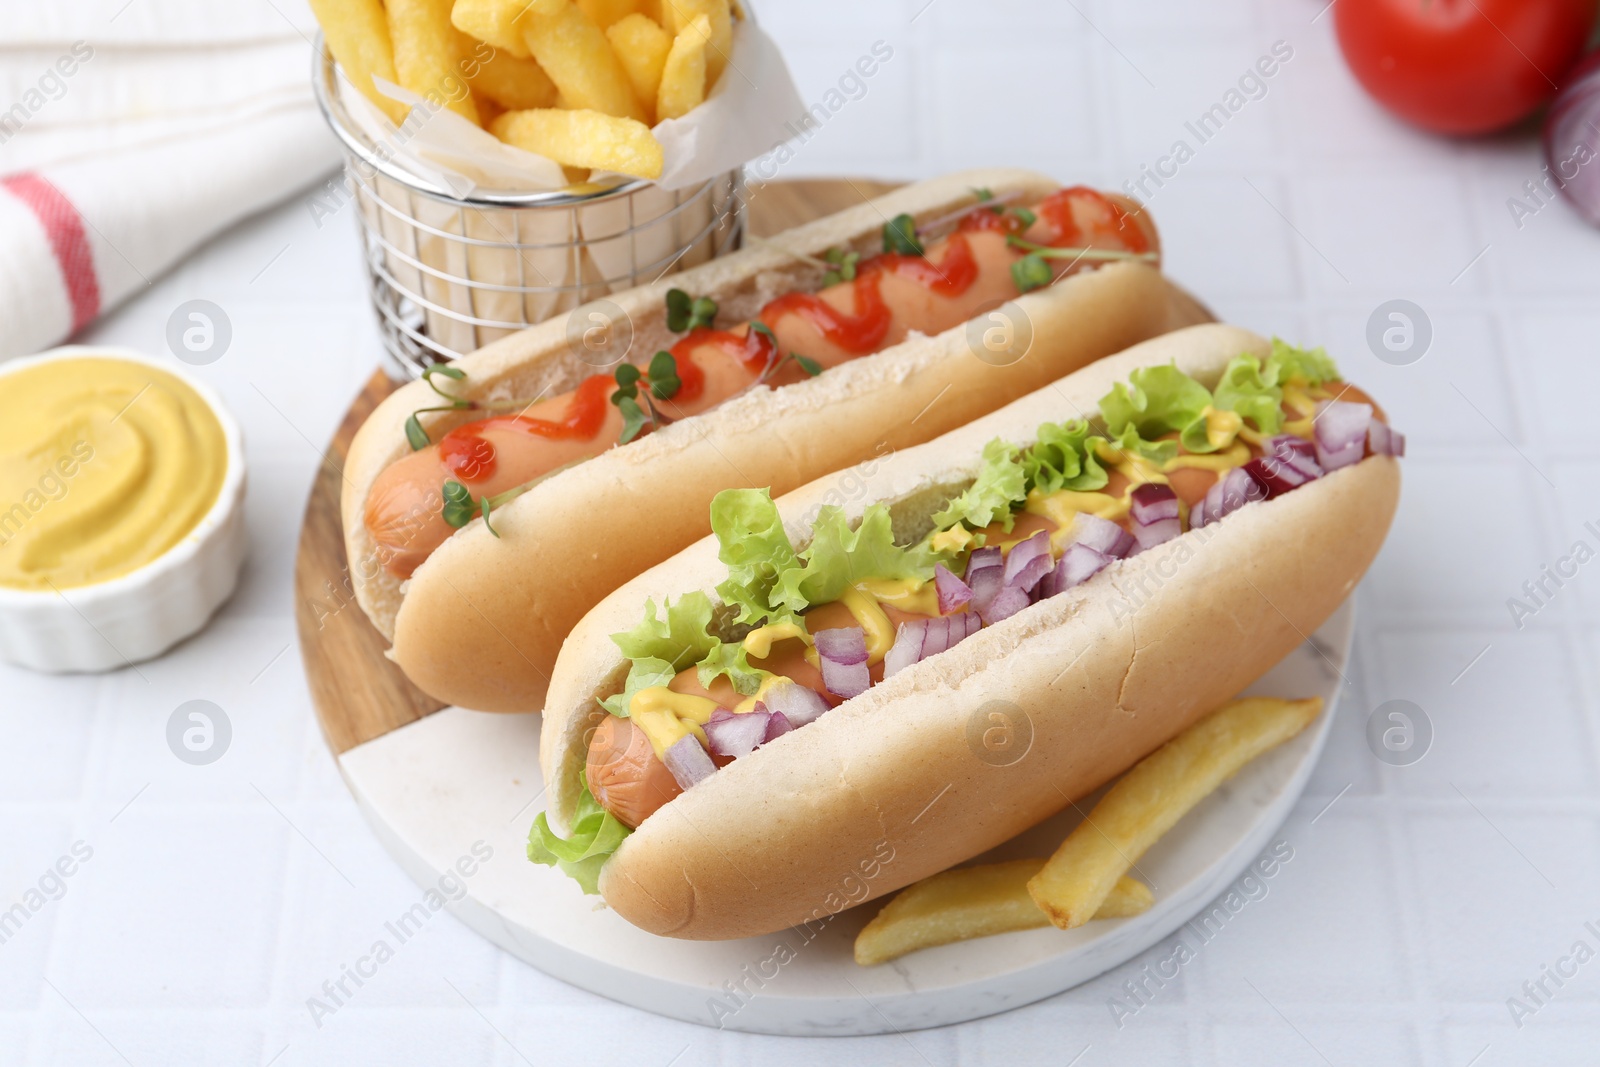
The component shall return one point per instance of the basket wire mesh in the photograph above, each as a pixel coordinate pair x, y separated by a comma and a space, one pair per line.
449, 274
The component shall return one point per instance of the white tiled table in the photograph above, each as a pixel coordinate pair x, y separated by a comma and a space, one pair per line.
219, 899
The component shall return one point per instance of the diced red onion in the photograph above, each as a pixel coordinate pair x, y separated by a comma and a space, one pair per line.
1296, 452
985, 569
935, 637
1155, 512
1384, 440
1307, 466
915, 641
1232, 492
1102, 535
844, 660
1049, 585
1153, 502
846, 645
1242, 485
953, 592
1333, 460
1341, 432
939, 635
1378, 438
1283, 443
800, 704
688, 762
1027, 562
907, 647
778, 724
1006, 603
957, 628
1159, 532
1078, 564
1200, 515
737, 735
964, 626
1275, 475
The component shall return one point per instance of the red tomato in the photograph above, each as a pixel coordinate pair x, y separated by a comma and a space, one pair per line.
1462, 66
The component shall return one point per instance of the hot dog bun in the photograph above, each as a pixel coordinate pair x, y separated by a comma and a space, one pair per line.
481, 620
1105, 673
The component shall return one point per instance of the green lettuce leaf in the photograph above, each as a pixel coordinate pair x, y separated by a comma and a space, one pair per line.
1064, 458
753, 545
732, 660
659, 648
838, 557
1001, 482
596, 833
1248, 389
1155, 400
1287, 361
1129, 440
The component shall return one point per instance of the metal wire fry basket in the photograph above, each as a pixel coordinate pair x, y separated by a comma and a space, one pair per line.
449, 274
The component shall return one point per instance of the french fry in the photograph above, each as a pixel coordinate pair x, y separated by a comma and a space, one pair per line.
488, 108
429, 53
677, 14
606, 13
1154, 795
494, 21
358, 36
514, 84
683, 78
579, 59
583, 138
641, 46
973, 902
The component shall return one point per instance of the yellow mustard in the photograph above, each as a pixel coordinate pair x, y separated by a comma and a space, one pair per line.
1221, 427
667, 717
1064, 505
758, 642
105, 464
955, 539
908, 594
1301, 397
1136, 468
768, 683
1236, 456
879, 630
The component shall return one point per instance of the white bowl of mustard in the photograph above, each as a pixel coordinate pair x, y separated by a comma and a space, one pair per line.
121, 508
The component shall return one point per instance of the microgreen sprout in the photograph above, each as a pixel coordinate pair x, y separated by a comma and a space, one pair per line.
664, 383
900, 236
416, 436
684, 313
844, 266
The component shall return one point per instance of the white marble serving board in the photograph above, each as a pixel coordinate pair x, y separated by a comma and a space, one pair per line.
458, 785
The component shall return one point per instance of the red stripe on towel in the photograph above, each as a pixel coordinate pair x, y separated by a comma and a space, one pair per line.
64, 226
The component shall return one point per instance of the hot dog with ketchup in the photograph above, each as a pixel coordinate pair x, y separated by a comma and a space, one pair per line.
1096, 564
822, 347
922, 289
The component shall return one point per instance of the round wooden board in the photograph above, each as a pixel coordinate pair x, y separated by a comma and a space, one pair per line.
358, 694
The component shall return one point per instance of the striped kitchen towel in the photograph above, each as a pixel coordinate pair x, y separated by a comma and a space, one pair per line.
131, 131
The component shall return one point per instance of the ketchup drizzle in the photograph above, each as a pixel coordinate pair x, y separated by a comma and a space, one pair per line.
859, 332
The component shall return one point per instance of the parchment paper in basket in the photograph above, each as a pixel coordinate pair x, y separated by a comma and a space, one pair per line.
744, 117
